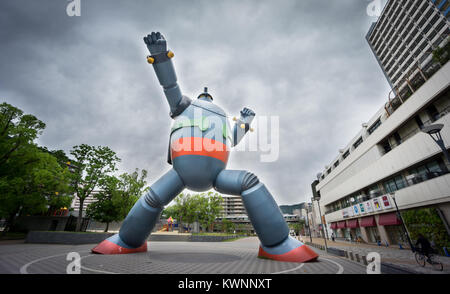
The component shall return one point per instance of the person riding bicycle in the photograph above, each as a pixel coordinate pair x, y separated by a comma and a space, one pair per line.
425, 246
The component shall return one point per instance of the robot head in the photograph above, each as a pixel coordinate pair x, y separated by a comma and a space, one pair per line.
205, 96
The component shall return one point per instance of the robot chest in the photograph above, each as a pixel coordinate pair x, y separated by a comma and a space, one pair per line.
204, 136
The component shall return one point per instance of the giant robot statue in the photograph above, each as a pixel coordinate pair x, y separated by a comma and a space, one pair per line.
199, 146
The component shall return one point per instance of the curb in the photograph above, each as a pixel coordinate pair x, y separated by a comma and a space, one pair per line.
386, 268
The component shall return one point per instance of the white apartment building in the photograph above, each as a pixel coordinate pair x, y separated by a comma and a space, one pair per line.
391, 156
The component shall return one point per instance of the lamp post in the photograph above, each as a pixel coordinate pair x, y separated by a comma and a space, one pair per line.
316, 196
435, 133
309, 226
403, 223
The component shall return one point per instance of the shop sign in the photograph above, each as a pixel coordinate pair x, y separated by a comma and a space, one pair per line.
345, 213
368, 206
355, 209
386, 202
362, 208
377, 204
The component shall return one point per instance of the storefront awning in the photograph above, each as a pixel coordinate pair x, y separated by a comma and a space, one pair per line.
334, 226
352, 223
389, 219
368, 221
341, 225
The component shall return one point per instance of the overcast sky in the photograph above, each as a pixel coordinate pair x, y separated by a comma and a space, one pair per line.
86, 77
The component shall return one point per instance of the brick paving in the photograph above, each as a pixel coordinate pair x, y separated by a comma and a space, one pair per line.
402, 258
236, 257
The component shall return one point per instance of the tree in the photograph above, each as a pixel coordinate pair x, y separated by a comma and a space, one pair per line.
204, 208
210, 207
31, 181
131, 187
104, 209
228, 226
116, 197
297, 227
43, 186
17, 133
93, 163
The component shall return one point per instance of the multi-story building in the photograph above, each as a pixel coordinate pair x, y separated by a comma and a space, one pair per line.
391, 156
76, 203
404, 37
233, 206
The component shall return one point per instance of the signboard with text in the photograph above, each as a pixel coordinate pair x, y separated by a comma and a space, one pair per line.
355, 209
377, 204
386, 202
368, 206
362, 209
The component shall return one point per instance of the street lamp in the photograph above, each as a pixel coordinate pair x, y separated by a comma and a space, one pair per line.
403, 223
309, 226
435, 133
316, 196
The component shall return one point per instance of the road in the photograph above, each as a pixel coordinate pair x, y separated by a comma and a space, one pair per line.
236, 257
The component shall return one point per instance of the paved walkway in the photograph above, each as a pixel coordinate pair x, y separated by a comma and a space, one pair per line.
403, 258
236, 257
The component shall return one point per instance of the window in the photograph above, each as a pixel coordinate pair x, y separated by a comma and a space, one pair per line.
432, 112
397, 138
386, 146
400, 182
374, 126
358, 142
374, 191
336, 163
395, 184
347, 153
390, 186
419, 121
329, 171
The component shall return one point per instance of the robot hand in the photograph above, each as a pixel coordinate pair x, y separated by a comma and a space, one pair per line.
247, 115
156, 43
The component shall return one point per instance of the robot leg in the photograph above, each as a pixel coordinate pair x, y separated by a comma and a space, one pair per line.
141, 219
265, 216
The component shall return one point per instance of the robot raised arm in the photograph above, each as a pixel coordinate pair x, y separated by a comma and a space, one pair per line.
161, 59
242, 125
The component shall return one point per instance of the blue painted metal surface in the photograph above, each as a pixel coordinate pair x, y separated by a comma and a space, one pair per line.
202, 170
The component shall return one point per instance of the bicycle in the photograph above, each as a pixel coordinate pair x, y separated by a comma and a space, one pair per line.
432, 259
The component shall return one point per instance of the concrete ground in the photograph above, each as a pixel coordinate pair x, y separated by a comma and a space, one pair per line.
402, 258
235, 257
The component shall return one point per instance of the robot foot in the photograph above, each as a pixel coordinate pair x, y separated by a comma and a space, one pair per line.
113, 245
290, 250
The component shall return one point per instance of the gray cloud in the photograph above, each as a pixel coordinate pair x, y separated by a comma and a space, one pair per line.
86, 77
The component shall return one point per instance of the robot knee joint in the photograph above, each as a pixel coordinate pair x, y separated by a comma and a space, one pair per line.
249, 180
152, 199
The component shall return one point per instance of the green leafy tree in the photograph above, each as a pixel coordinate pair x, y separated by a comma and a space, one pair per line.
204, 208
131, 187
104, 209
209, 207
297, 227
228, 226
426, 221
31, 181
93, 163
116, 197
